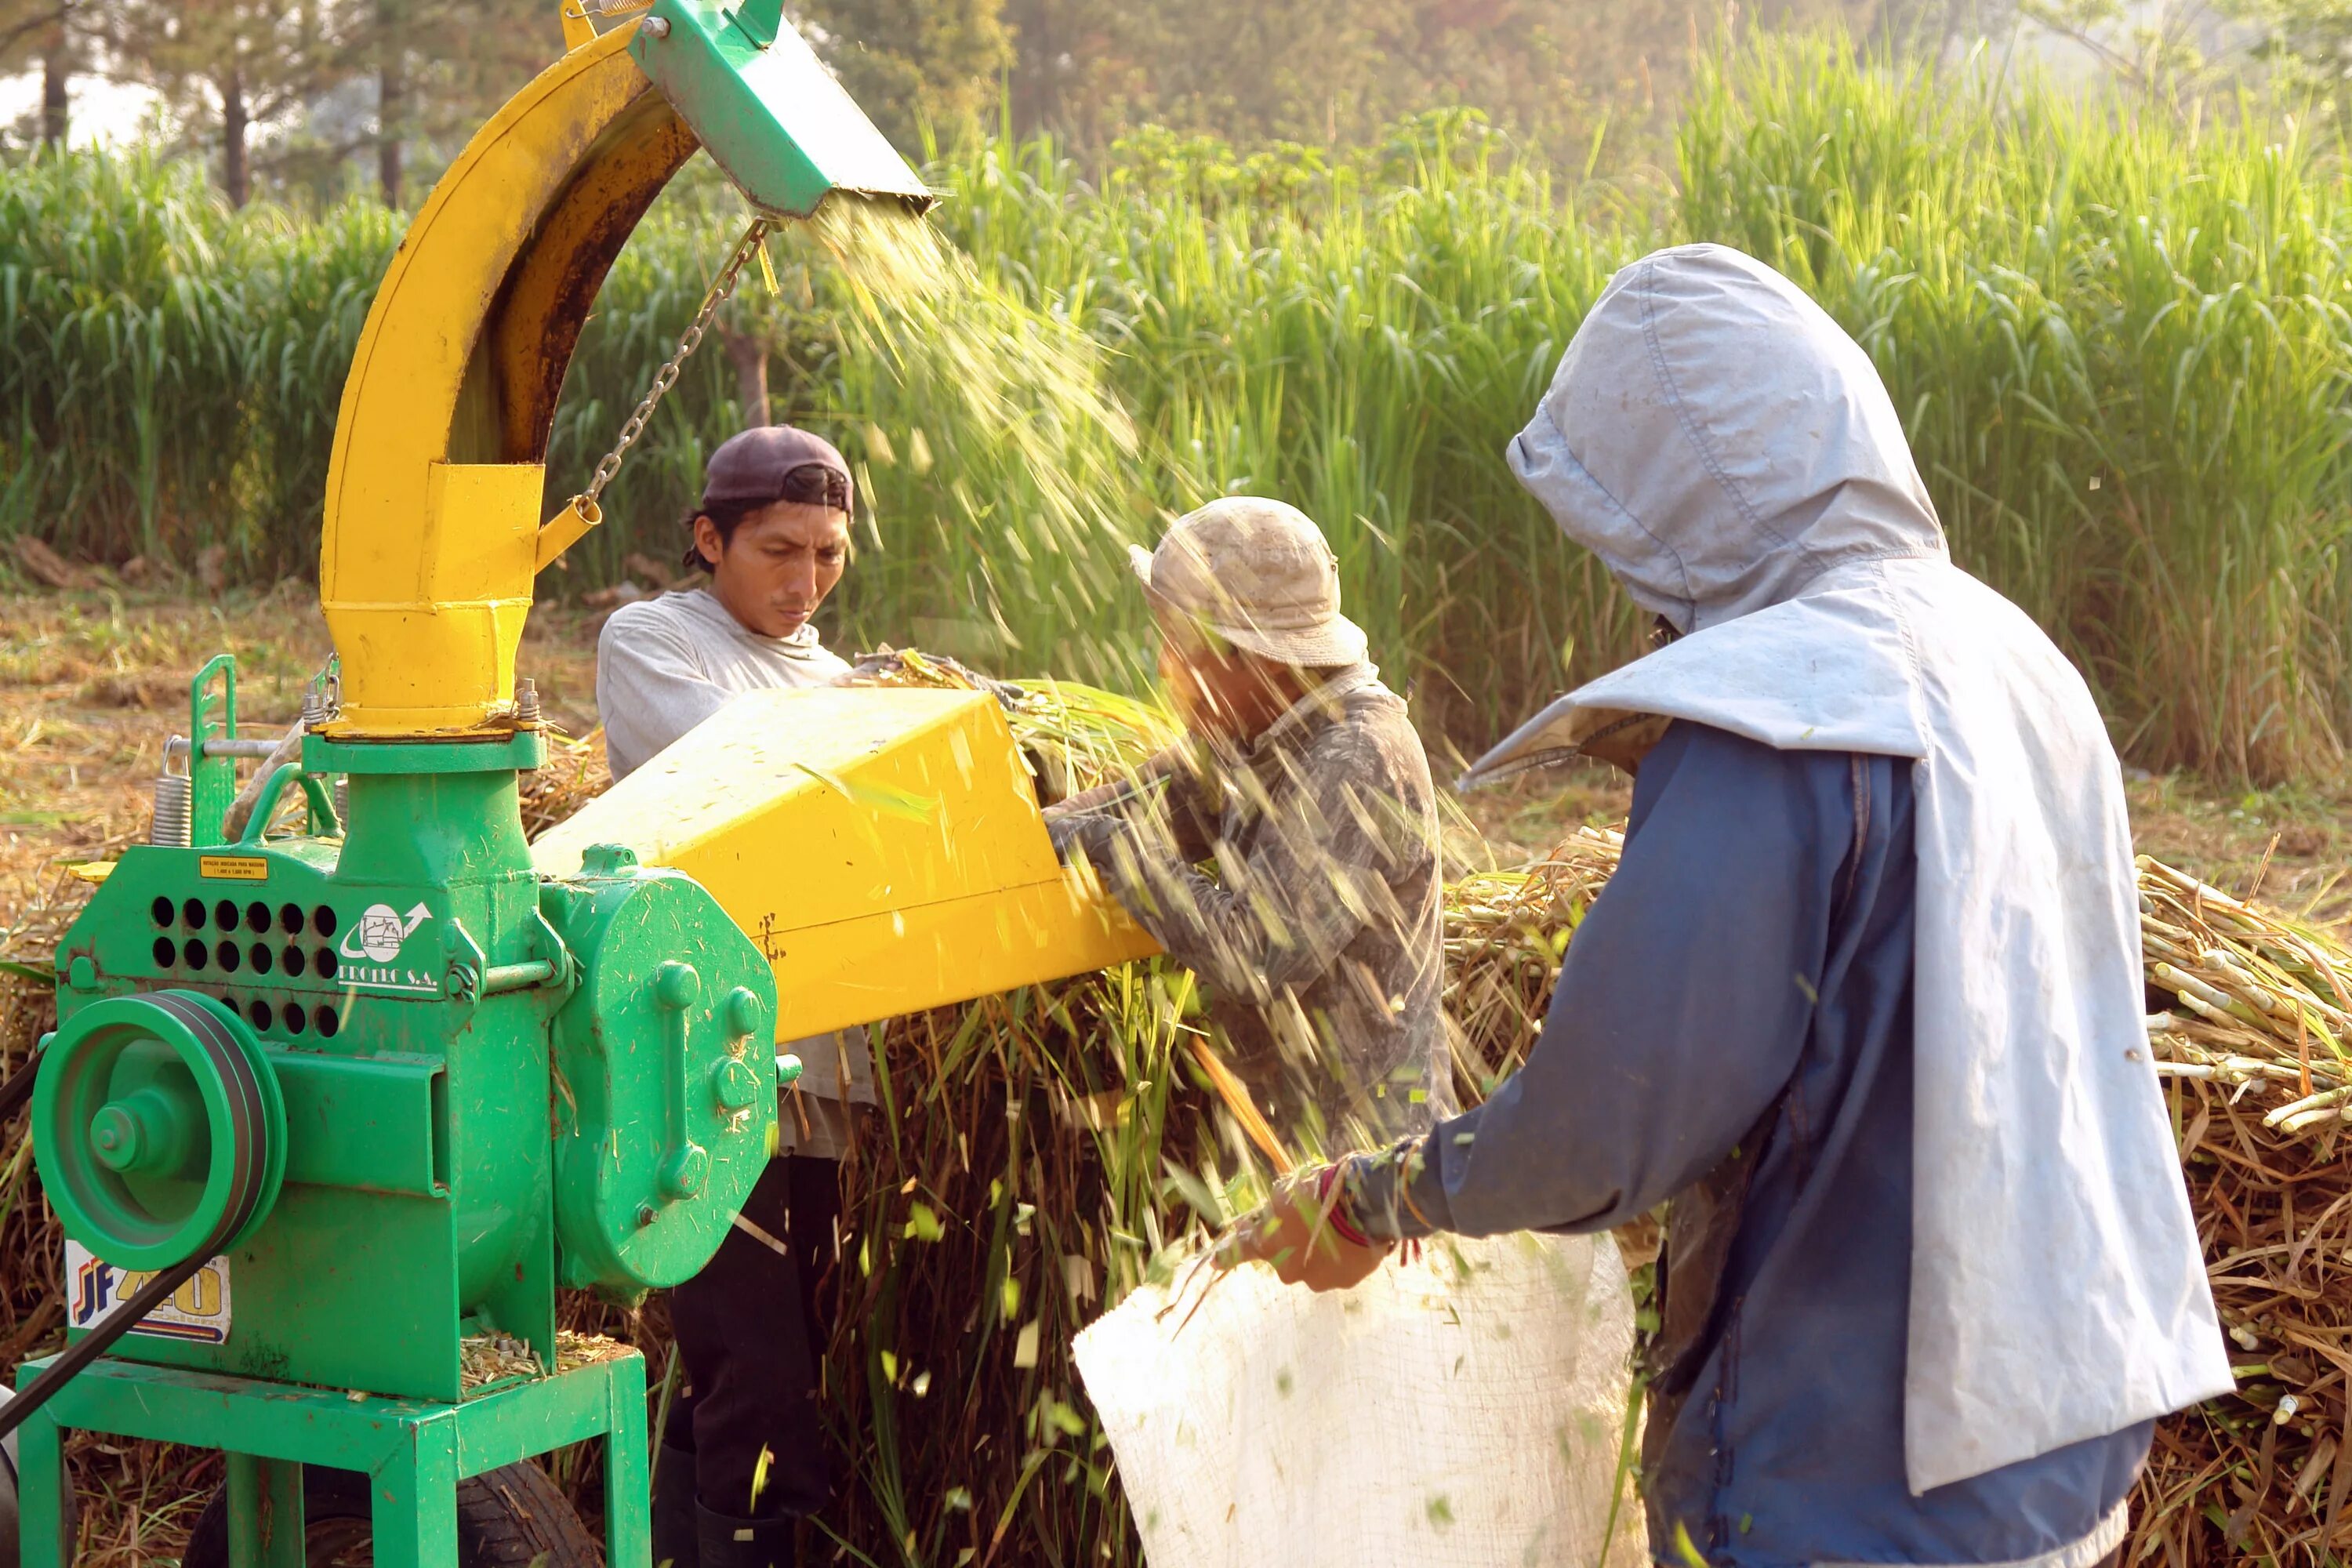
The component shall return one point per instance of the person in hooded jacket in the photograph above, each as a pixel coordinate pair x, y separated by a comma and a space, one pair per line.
1864, 997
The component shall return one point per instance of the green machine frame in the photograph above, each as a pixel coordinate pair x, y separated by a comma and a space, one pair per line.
414, 1453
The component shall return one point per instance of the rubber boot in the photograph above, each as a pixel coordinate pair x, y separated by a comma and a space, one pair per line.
727, 1543
674, 1528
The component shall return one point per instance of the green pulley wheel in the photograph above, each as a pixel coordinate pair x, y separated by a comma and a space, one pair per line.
159, 1129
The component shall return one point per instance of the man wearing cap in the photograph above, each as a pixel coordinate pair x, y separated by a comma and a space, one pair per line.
1320, 933
771, 532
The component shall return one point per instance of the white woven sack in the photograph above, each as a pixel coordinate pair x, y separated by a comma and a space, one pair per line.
1463, 1411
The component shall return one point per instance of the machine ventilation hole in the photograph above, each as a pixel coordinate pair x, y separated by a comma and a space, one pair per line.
262, 959
165, 953
193, 914
163, 912
291, 959
324, 963
227, 956
290, 918
225, 915
293, 1017
258, 1011
257, 917
325, 1021
193, 954
322, 921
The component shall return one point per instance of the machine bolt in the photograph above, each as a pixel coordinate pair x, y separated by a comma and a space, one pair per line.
114, 1134
734, 1084
314, 708
654, 26
646, 1214
742, 1012
527, 709
684, 1175
147, 1129
675, 986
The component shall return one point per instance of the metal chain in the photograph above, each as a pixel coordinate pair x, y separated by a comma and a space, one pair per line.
721, 288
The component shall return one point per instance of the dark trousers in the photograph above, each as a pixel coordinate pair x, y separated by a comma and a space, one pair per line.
751, 1334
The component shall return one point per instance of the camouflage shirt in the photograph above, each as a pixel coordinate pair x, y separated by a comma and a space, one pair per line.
1316, 925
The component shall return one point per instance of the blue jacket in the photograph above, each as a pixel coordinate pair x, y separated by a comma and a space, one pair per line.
1732, 1030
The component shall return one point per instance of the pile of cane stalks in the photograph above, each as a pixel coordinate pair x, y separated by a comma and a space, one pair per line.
1039, 1153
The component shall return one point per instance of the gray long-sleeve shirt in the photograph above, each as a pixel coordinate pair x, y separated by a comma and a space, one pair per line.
1732, 1029
1320, 937
665, 665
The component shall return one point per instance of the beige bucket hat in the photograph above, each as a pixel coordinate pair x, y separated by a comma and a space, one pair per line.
1260, 574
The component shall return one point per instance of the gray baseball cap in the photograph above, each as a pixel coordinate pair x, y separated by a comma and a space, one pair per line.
777, 462
1260, 574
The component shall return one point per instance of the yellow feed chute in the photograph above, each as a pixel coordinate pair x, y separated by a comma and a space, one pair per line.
434, 497
883, 847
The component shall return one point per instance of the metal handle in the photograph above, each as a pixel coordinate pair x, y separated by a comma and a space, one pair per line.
264, 805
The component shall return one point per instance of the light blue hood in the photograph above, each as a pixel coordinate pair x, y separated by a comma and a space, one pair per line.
1719, 443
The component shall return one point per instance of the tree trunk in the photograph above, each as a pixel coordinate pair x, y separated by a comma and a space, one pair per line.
390, 108
749, 356
237, 179
55, 71
391, 99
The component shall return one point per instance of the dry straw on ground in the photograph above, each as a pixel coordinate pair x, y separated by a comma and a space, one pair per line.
1040, 1153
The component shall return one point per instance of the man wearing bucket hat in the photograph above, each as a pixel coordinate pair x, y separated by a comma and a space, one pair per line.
1319, 935
743, 1456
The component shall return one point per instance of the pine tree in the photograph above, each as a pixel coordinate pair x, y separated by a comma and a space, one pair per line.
440, 68
46, 33
234, 67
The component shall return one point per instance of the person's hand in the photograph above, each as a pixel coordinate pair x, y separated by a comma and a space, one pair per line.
1304, 1247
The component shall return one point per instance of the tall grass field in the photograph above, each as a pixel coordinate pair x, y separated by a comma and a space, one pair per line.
2120, 342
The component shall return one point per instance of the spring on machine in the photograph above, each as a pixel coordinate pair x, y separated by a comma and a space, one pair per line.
175, 811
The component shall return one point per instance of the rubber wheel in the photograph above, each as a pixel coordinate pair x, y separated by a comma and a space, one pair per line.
511, 1518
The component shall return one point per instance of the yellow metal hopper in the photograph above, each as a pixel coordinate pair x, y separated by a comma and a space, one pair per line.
883, 847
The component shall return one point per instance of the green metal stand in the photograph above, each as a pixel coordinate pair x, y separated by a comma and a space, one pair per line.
414, 1453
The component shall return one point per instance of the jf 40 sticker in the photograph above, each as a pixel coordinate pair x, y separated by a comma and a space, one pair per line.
197, 1312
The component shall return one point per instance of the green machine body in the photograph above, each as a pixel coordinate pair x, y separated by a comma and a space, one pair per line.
474, 1082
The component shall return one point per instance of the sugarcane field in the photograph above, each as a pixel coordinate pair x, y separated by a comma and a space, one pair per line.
956, 783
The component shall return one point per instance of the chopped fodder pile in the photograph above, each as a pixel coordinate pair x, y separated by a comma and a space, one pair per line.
2253, 1051
1038, 1154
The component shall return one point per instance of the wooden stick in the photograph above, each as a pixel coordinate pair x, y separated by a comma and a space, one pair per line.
1236, 1098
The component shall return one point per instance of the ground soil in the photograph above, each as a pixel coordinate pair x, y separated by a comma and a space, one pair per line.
91, 683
